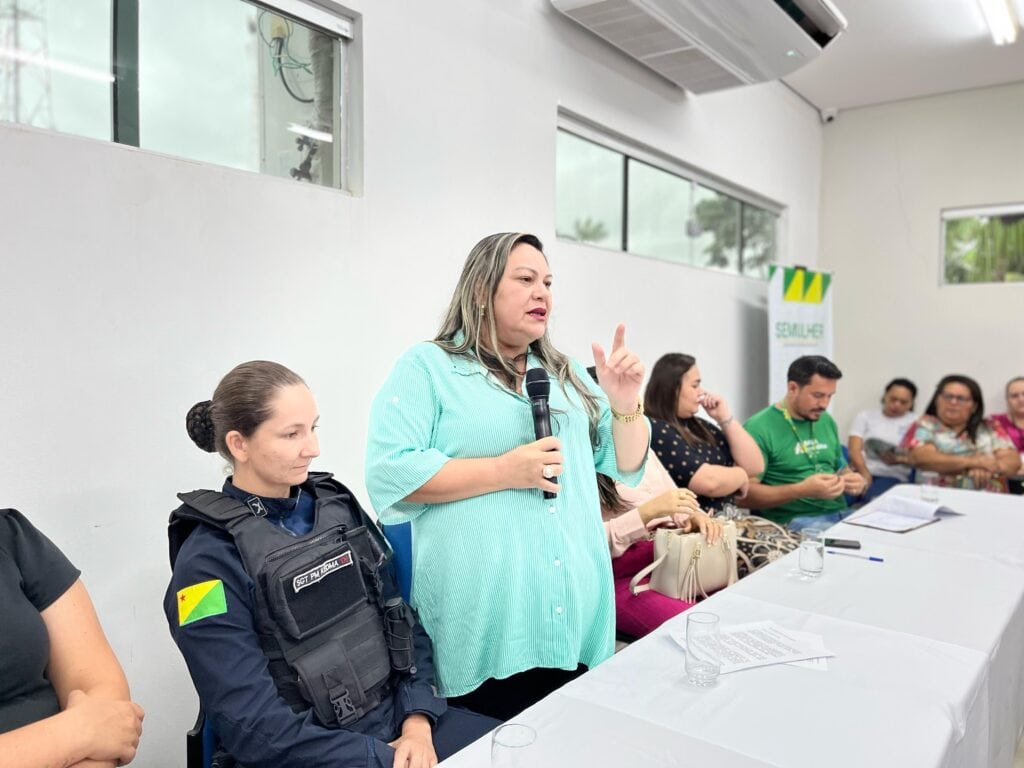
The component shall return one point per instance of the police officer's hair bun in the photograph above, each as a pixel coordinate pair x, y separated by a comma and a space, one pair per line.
242, 401
199, 424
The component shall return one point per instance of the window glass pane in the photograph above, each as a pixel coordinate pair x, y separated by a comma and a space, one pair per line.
759, 240
55, 65
718, 230
226, 82
299, 66
588, 194
659, 209
985, 249
670, 215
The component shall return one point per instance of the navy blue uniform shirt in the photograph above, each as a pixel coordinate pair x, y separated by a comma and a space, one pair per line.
231, 675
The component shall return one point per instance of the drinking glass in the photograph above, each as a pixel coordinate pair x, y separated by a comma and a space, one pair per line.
929, 482
510, 746
703, 648
812, 552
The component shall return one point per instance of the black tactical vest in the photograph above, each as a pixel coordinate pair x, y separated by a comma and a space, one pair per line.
330, 629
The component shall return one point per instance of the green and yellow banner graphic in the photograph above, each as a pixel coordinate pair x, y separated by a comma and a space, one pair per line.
799, 320
200, 601
798, 284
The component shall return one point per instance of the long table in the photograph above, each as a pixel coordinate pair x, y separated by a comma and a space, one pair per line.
929, 665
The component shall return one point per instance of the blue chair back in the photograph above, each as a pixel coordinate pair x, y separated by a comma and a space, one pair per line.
399, 536
200, 743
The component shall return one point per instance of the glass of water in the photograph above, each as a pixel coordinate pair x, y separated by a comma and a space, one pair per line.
929, 482
511, 746
703, 648
812, 552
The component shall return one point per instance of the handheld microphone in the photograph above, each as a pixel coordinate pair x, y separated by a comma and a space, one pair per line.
538, 386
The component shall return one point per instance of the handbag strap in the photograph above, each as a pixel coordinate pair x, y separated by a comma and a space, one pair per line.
634, 584
692, 584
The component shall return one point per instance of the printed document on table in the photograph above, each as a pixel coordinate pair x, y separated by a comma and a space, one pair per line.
762, 643
898, 514
812, 642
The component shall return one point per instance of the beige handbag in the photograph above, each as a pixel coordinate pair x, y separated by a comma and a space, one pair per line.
685, 567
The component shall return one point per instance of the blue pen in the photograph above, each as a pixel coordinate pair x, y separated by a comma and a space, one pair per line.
872, 558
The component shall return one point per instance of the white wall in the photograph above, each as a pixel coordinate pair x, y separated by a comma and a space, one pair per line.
887, 173
133, 281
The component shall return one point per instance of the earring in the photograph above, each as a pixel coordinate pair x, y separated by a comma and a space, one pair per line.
483, 309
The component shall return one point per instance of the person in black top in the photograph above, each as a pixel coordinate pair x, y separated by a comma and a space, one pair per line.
714, 460
283, 600
63, 696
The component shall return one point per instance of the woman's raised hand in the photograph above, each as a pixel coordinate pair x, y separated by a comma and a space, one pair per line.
620, 373
716, 407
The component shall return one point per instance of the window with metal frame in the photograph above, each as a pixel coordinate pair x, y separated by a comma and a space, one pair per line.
613, 193
983, 244
55, 65
257, 86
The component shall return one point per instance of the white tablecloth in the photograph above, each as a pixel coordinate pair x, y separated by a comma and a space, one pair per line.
887, 698
571, 732
929, 651
976, 570
992, 526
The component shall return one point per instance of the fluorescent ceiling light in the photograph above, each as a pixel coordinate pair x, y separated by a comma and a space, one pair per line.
57, 66
1000, 19
311, 133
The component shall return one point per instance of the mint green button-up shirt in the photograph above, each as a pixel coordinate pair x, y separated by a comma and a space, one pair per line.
506, 581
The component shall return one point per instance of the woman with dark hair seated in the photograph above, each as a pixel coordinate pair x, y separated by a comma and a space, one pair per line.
283, 599
63, 697
714, 460
953, 439
875, 436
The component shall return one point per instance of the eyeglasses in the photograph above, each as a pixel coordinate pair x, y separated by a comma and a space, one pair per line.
950, 398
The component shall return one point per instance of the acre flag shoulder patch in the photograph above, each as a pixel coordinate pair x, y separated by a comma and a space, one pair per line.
200, 601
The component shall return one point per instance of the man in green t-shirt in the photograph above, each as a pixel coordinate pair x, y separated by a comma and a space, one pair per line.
805, 476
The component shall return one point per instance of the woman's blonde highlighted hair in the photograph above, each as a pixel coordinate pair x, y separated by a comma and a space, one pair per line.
471, 311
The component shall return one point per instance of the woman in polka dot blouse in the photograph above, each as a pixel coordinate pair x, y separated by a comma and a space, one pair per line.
715, 459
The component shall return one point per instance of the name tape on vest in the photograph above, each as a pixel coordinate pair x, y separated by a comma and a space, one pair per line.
318, 573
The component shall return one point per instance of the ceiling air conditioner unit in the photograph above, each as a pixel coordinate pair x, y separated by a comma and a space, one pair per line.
708, 45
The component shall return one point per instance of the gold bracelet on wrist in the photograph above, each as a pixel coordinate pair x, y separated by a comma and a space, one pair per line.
626, 418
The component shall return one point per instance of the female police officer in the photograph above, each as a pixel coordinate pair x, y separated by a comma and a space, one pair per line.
283, 602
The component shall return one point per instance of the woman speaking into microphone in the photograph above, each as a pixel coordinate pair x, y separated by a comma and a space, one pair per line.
515, 589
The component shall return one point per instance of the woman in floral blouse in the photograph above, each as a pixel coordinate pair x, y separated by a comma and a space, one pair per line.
953, 439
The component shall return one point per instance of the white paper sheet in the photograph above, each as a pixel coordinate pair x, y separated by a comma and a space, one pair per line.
761, 643
898, 513
812, 642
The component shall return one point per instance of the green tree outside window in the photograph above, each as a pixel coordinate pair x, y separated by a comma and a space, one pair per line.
985, 249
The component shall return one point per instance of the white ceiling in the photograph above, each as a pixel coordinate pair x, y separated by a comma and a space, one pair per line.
900, 49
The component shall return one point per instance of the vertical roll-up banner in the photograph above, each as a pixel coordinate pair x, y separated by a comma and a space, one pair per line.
799, 321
